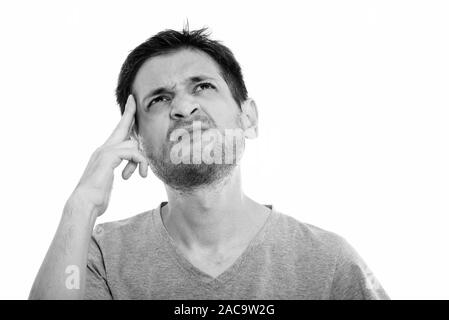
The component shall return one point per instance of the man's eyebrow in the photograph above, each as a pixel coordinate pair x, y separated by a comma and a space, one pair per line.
162, 90
196, 79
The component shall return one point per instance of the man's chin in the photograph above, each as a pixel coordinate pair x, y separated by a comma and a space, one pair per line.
189, 177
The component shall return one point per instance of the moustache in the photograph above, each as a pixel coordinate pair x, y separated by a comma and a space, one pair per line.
206, 124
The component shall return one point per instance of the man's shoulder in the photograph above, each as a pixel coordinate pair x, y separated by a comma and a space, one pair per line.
306, 237
294, 227
328, 253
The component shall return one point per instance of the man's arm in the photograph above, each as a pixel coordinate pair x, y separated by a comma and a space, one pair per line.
62, 275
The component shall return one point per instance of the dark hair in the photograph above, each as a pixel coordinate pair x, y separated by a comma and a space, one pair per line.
169, 41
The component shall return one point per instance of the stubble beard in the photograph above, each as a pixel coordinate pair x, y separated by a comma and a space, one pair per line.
190, 177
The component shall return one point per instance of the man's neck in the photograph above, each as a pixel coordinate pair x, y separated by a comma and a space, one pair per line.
213, 219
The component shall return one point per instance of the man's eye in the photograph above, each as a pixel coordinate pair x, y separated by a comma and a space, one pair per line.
157, 99
203, 86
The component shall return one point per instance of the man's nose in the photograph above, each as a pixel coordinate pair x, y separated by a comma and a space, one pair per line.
183, 109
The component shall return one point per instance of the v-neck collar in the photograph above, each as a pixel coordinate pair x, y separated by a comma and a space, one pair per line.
196, 274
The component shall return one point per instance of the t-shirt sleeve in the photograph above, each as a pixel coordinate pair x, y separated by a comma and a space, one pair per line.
353, 280
96, 282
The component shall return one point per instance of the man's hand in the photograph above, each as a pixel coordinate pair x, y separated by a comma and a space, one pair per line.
88, 201
95, 186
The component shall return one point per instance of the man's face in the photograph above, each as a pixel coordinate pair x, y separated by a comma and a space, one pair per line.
173, 91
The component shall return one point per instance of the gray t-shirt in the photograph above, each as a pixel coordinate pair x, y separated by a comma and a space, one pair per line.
136, 258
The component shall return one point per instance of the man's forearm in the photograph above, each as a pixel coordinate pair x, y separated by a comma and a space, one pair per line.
62, 275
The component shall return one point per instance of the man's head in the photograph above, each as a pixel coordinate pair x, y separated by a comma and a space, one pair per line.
170, 41
178, 79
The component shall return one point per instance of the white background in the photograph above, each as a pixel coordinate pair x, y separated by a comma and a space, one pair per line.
354, 110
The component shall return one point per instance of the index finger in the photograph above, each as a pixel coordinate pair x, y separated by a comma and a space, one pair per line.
121, 132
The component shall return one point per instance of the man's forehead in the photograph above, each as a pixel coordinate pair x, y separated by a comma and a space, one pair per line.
169, 69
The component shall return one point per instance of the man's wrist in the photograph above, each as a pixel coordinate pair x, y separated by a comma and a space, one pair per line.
78, 206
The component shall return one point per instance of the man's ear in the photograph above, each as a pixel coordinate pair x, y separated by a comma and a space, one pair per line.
134, 130
133, 134
249, 118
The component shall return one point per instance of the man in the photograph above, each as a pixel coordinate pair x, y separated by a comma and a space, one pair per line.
186, 113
